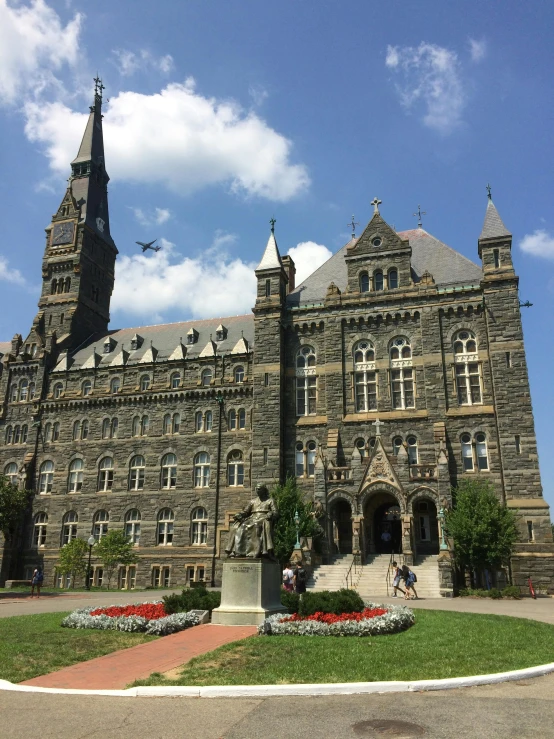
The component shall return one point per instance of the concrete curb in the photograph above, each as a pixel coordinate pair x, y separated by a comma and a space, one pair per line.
275, 691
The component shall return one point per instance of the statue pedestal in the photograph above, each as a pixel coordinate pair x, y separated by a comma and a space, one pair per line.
250, 592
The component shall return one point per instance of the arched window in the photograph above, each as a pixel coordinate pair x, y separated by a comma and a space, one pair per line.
105, 475
361, 447
169, 471
239, 374
106, 428
110, 428
46, 477
48, 432
165, 527
58, 390
468, 369
232, 420
175, 423
10, 471
17, 435
60, 288
115, 385
56, 431
198, 418
393, 279
202, 470
23, 390
39, 533
411, 441
14, 393
208, 421
365, 377
100, 524
9, 435
76, 430
75, 482
481, 451
378, 280
145, 425
371, 443
402, 374
299, 459
364, 282
54, 287
175, 380
199, 533
310, 457
114, 426
206, 377
86, 388
69, 528
84, 430
132, 526
24, 430
31, 391
235, 469
306, 382
136, 426
467, 453
242, 418
67, 286
167, 424
136, 473
396, 445
145, 382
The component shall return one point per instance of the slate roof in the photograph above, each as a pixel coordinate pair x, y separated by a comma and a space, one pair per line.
164, 339
271, 258
493, 225
428, 254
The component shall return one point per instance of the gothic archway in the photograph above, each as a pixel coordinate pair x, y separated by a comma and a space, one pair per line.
382, 522
341, 521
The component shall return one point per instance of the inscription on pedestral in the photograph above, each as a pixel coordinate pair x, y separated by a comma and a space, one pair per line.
241, 568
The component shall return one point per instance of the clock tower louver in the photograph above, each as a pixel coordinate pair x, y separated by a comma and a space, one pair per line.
79, 257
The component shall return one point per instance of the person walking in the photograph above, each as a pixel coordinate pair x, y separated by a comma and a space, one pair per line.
300, 578
288, 576
397, 577
409, 578
36, 581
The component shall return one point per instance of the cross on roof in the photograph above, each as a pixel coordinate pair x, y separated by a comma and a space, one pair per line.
489, 192
98, 86
353, 223
272, 222
376, 203
419, 213
377, 425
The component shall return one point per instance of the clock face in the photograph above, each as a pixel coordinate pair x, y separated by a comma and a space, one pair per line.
62, 233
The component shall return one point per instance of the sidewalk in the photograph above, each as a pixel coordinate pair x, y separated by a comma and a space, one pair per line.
115, 671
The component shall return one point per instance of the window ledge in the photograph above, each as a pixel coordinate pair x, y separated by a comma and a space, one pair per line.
471, 410
311, 420
385, 415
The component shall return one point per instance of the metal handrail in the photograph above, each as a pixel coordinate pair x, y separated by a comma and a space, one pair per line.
353, 565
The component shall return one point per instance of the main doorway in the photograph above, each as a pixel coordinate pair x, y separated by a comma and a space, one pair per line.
341, 518
382, 524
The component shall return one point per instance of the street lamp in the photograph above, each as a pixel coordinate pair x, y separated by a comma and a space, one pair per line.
442, 517
91, 541
297, 523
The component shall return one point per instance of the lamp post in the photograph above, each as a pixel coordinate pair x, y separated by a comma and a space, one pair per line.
442, 517
297, 524
91, 541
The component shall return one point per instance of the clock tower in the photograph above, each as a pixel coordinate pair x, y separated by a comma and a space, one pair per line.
79, 256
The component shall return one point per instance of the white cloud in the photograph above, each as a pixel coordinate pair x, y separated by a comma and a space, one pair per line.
477, 49
127, 62
212, 284
258, 94
307, 257
34, 43
539, 244
10, 275
431, 78
179, 139
151, 218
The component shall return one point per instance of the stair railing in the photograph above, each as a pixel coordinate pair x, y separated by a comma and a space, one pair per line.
355, 565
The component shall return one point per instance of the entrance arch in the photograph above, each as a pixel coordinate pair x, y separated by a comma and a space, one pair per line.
382, 524
341, 519
426, 527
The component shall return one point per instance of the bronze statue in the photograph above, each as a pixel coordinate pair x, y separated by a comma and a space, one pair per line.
252, 532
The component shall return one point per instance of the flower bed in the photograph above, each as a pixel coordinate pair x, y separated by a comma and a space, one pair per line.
147, 617
373, 620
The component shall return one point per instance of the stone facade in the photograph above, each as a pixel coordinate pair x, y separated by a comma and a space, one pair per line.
396, 369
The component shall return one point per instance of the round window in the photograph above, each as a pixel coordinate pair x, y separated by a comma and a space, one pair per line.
480, 438
464, 335
376, 241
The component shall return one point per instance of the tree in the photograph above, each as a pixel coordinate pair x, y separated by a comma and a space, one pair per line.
288, 499
115, 549
73, 559
13, 504
484, 531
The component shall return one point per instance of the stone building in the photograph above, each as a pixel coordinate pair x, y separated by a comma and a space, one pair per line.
393, 371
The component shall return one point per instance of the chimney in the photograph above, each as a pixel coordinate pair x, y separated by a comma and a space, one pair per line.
290, 269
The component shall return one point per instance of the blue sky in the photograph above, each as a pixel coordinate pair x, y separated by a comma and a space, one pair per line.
223, 114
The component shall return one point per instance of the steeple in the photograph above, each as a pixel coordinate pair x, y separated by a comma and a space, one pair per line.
493, 227
495, 244
271, 273
271, 258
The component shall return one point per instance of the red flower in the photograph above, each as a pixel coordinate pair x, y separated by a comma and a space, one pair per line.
333, 618
151, 611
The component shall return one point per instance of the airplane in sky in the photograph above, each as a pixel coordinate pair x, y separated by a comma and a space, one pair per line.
148, 245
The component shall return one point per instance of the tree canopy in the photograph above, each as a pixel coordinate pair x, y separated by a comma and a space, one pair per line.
73, 559
484, 531
114, 549
288, 499
13, 504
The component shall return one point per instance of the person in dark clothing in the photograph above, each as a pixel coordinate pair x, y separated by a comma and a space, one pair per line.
300, 578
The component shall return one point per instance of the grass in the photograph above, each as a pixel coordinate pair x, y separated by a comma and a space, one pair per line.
439, 645
35, 645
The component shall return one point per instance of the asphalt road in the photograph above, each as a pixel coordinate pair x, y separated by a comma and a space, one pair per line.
521, 710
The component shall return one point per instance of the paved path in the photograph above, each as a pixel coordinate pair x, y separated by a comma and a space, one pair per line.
118, 669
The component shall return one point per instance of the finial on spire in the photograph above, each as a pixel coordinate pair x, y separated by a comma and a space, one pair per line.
353, 224
376, 203
272, 222
489, 192
418, 214
98, 87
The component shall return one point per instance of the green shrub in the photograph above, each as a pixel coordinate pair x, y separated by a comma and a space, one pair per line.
290, 600
192, 599
341, 601
494, 593
511, 591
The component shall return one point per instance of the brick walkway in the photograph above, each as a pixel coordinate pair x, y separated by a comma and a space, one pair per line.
115, 671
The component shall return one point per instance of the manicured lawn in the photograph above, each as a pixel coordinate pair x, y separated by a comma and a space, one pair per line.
439, 645
35, 645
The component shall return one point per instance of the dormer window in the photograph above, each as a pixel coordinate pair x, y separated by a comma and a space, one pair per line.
192, 336
220, 333
136, 342
109, 345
